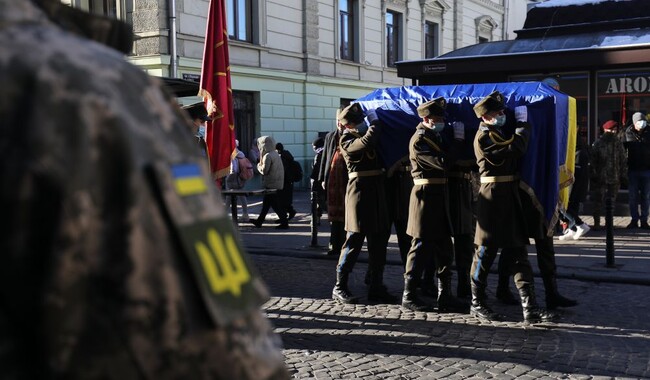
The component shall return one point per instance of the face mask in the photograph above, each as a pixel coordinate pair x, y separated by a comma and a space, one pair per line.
201, 132
497, 121
437, 127
640, 124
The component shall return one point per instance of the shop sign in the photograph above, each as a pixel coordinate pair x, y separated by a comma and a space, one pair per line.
628, 85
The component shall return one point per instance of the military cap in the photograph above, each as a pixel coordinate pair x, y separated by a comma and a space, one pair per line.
491, 103
434, 107
351, 114
197, 111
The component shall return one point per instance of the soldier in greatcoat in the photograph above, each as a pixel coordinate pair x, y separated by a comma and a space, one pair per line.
429, 223
366, 214
108, 208
501, 221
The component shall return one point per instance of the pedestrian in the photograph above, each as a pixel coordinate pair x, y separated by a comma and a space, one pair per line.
429, 221
318, 193
366, 216
637, 143
333, 175
576, 227
199, 116
608, 168
254, 153
104, 199
241, 170
501, 222
270, 166
286, 194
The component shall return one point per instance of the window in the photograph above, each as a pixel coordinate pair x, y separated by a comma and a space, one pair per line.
99, 7
393, 30
430, 39
482, 40
239, 15
244, 105
485, 26
347, 30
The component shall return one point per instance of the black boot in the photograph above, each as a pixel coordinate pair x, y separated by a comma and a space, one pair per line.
428, 286
532, 312
410, 300
446, 301
464, 289
503, 291
553, 298
479, 307
341, 292
377, 292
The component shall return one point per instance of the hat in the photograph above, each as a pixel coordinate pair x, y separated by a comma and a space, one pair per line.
434, 107
609, 125
197, 111
351, 114
637, 116
491, 103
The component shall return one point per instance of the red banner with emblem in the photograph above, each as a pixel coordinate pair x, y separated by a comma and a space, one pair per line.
216, 91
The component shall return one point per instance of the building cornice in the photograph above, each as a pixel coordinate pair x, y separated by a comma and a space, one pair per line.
490, 4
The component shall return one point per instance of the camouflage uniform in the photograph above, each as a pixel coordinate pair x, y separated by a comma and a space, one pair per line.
608, 168
97, 278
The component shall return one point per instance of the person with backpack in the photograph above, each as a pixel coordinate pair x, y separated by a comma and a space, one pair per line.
241, 170
293, 173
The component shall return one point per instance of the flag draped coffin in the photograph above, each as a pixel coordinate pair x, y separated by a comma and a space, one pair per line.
548, 164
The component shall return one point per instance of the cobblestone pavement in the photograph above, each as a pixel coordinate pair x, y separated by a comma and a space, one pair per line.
606, 336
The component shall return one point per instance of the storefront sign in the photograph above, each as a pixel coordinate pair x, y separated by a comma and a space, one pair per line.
628, 85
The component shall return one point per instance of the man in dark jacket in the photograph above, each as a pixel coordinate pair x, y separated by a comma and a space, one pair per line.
501, 221
111, 221
429, 223
285, 195
637, 142
366, 215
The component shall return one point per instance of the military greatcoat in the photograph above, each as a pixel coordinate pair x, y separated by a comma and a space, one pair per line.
103, 193
365, 198
429, 204
501, 220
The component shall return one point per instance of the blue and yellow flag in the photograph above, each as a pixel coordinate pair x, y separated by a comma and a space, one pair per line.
188, 179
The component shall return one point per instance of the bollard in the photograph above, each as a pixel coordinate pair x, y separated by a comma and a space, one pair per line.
314, 219
609, 226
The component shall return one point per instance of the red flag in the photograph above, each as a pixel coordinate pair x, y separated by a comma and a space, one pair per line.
217, 92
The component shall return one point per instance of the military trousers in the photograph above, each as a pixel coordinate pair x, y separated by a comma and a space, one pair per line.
377, 243
424, 253
516, 262
337, 237
463, 252
545, 258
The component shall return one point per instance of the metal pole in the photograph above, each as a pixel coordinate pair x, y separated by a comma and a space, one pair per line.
173, 59
609, 226
314, 219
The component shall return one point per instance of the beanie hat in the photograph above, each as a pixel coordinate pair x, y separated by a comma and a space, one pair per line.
637, 116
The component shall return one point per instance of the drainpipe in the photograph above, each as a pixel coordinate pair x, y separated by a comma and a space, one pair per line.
455, 24
506, 17
173, 61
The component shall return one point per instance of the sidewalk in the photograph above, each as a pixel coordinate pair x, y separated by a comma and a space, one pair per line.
584, 259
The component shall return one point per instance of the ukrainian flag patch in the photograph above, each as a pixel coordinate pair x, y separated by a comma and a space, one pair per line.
188, 179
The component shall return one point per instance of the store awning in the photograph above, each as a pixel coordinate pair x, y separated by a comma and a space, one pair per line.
181, 87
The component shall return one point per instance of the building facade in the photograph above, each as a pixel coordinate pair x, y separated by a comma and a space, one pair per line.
294, 62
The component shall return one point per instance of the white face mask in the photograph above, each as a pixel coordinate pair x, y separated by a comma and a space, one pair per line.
640, 124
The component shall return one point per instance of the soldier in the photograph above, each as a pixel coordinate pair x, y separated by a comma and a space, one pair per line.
429, 223
107, 208
608, 167
459, 186
501, 220
398, 191
366, 216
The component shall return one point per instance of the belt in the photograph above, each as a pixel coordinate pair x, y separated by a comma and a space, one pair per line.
365, 173
430, 181
459, 175
499, 178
